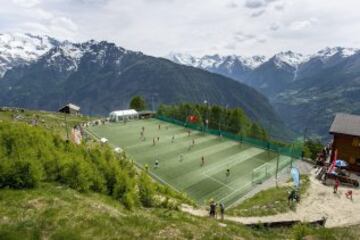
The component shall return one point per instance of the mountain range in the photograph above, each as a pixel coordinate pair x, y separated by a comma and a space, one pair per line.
305, 90
43, 73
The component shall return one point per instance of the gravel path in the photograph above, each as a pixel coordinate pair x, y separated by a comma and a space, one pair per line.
318, 202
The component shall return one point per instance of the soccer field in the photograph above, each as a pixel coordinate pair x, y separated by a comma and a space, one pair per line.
180, 164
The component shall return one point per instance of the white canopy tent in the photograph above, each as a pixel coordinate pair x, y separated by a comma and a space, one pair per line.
123, 115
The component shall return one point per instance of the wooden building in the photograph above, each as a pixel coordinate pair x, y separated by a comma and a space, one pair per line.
346, 139
146, 114
70, 109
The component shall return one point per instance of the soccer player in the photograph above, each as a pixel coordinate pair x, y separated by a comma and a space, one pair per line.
189, 132
181, 157
336, 185
143, 128
158, 138
146, 167
227, 172
156, 164
159, 126
193, 141
154, 142
202, 161
173, 139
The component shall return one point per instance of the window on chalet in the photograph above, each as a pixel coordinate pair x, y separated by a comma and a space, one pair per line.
356, 142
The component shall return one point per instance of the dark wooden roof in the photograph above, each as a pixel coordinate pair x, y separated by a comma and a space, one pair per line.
346, 124
70, 106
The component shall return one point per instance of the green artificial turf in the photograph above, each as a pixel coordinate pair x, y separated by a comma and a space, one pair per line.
201, 183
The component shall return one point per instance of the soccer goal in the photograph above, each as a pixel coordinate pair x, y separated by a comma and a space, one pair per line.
260, 173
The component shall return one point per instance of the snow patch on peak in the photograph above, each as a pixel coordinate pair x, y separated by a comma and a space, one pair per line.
329, 52
216, 60
183, 58
254, 61
290, 58
22, 48
347, 52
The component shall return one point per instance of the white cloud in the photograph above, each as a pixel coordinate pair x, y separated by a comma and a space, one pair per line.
274, 26
300, 25
157, 27
255, 3
26, 3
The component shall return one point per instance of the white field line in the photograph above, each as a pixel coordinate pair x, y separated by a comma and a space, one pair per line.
251, 152
144, 143
214, 168
214, 179
247, 185
96, 137
151, 172
236, 191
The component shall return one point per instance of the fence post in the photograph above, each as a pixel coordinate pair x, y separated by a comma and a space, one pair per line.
277, 169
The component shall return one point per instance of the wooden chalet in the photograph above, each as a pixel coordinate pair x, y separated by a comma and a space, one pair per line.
346, 139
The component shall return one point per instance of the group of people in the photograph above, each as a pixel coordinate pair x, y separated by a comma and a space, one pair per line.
213, 212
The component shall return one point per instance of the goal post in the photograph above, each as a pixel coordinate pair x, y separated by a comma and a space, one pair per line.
260, 173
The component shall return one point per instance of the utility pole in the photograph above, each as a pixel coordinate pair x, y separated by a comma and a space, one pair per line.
304, 140
152, 103
277, 168
66, 128
207, 114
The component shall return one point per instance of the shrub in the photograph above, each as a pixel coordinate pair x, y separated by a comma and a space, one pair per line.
19, 174
146, 190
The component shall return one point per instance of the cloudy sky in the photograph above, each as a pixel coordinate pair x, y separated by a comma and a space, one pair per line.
157, 27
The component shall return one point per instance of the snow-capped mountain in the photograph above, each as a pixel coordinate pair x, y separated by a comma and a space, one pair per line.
22, 48
233, 66
41, 72
305, 89
214, 61
101, 76
290, 58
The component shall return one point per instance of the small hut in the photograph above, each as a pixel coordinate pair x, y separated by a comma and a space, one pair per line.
70, 109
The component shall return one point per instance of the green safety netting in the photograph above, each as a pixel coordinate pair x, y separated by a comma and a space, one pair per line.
291, 150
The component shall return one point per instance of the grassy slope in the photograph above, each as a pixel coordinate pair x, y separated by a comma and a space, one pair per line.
56, 212
268, 202
52, 121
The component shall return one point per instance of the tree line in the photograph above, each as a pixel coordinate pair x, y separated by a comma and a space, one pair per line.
232, 120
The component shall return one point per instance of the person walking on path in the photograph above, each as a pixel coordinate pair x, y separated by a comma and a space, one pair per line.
212, 212
222, 211
336, 185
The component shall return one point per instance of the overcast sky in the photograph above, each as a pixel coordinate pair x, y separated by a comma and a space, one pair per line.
157, 27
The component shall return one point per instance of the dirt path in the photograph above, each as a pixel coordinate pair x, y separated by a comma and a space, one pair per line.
319, 201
